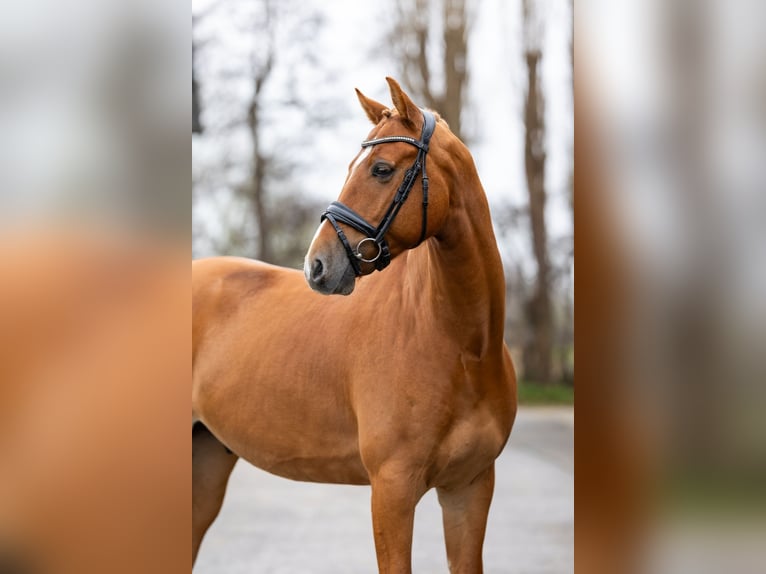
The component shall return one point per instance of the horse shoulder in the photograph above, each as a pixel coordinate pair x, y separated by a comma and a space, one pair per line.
222, 288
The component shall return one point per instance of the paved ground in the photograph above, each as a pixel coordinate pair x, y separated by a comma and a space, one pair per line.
270, 525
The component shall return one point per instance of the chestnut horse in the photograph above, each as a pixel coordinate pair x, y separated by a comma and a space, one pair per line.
404, 384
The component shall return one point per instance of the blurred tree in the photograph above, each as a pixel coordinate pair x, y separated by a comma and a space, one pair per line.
197, 18
261, 68
258, 71
572, 79
538, 351
196, 103
411, 39
567, 355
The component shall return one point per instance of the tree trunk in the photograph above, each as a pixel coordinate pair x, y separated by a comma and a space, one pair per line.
257, 190
572, 67
261, 74
455, 69
539, 348
196, 104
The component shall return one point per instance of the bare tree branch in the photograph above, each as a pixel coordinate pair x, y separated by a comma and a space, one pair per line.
411, 37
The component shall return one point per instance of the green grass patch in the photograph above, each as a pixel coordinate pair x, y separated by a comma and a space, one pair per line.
715, 492
550, 394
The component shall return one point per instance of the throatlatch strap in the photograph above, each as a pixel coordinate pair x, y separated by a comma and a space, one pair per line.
424, 225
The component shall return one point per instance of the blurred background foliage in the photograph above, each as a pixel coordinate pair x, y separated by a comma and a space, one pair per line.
275, 123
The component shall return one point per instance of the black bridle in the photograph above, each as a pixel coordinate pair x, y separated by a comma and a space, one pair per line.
337, 212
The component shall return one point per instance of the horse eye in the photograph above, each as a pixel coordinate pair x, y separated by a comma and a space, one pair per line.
382, 170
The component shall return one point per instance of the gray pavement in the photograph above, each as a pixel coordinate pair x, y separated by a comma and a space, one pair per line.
269, 525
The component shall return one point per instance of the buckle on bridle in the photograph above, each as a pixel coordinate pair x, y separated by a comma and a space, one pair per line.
358, 252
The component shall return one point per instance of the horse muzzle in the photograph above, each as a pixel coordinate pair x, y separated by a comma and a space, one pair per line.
329, 273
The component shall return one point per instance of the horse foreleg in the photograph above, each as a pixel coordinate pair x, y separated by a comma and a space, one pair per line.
464, 512
394, 497
212, 464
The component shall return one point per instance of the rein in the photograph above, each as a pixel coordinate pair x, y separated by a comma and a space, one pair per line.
338, 212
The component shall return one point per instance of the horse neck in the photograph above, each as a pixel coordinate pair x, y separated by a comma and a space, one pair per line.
463, 280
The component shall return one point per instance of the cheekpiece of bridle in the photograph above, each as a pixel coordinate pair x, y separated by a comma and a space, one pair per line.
337, 212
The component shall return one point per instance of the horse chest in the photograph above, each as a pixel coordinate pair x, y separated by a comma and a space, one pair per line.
451, 420
482, 413
471, 444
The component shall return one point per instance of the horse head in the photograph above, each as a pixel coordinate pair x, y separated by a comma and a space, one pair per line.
394, 198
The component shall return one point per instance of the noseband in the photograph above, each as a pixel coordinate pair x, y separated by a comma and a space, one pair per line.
337, 212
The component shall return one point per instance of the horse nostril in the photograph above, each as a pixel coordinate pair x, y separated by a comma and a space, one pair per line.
316, 270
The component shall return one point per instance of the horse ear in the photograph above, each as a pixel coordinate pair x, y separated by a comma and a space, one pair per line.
373, 109
403, 104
